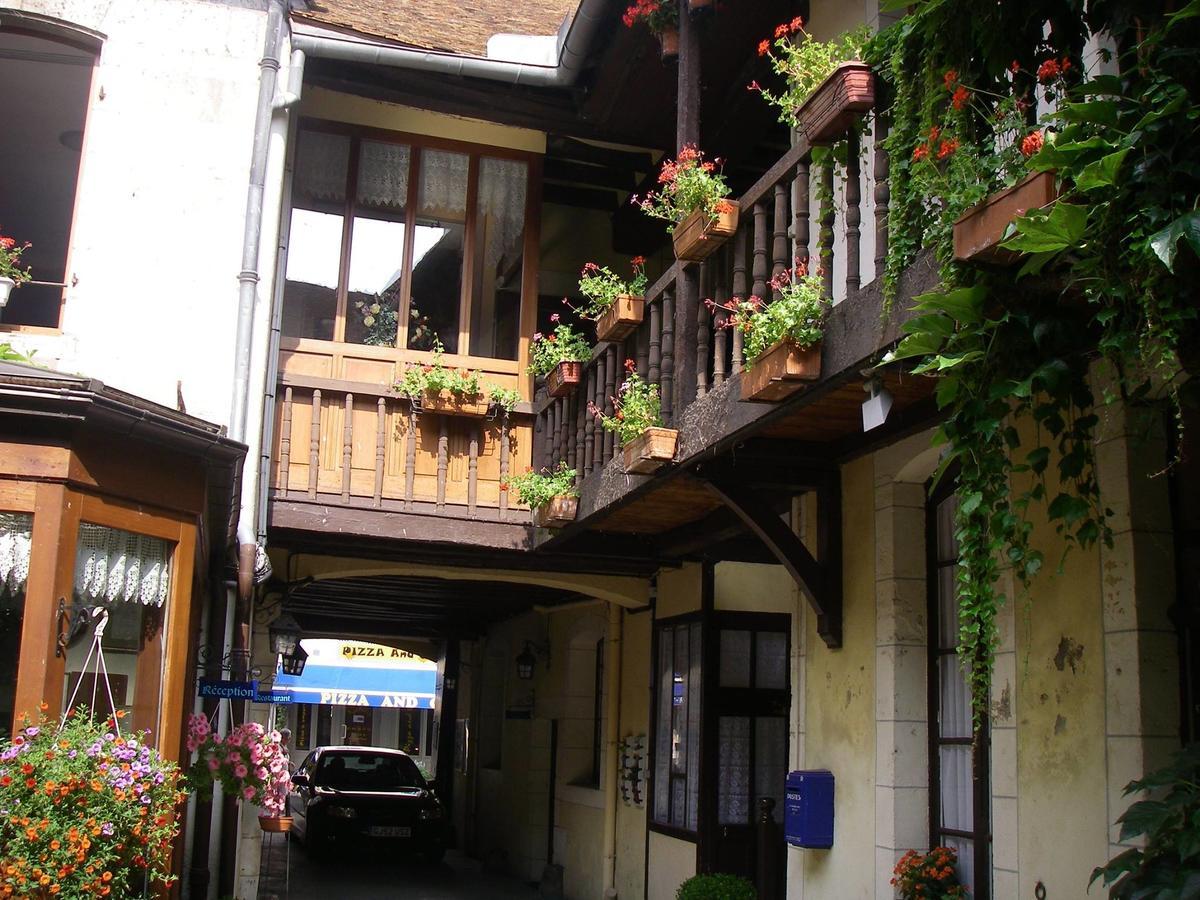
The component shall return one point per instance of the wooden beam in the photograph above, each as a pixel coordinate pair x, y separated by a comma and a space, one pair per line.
561, 147
584, 198
814, 578
587, 174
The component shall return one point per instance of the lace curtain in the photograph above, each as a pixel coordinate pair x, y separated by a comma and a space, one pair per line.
383, 175
443, 192
16, 539
502, 201
111, 565
321, 166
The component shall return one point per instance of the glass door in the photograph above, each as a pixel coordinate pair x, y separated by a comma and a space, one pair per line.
15, 540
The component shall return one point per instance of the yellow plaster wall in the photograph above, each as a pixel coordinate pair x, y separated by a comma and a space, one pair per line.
753, 587
840, 707
635, 719
678, 591
583, 860
320, 103
672, 862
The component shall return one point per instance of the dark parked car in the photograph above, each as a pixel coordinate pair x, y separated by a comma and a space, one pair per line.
356, 796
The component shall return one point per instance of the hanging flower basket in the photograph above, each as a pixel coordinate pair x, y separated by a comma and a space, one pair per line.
837, 103
451, 404
979, 231
275, 824
558, 512
621, 319
781, 371
668, 40
562, 380
698, 236
651, 450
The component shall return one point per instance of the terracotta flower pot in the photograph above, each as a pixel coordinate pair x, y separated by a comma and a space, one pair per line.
563, 378
558, 512
979, 231
694, 5
451, 404
697, 237
781, 371
837, 103
621, 319
275, 824
651, 450
668, 40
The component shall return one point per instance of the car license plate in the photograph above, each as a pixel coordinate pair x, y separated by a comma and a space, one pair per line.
389, 831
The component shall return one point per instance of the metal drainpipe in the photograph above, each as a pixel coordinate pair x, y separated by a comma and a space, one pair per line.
611, 747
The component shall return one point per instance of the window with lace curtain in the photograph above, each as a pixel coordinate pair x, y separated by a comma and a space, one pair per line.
398, 244
16, 541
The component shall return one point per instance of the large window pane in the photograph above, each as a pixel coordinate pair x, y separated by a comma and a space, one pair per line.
677, 727
377, 244
438, 250
733, 770
15, 544
734, 662
499, 245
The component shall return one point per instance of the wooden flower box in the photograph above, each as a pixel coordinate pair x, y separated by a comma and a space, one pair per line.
275, 824
558, 512
621, 319
697, 237
668, 41
651, 450
979, 231
837, 103
563, 378
451, 404
780, 372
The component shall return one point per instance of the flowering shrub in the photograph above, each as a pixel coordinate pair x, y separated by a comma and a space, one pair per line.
688, 183
564, 344
931, 876
504, 399
635, 408
716, 886
798, 315
250, 763
434, 377
601, 287
10, 259
805, 62
536, 489
658, 15
85, 812
380, 319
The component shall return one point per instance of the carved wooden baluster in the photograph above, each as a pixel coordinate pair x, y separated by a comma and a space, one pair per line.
504, 453
380, 448
590, 425
565, 431
473, 470
347, 446
853, 213
708, 272
551, 435
759, 288
643, 350
739, 292
603, 401
285, 441
803, 211
571, 433
410, 457
883, 195
576, 461
314, 445
443, 459
780, 258
668, 354
614, 371
654, 375
825, 237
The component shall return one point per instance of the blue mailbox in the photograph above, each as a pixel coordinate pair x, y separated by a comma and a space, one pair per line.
808, 809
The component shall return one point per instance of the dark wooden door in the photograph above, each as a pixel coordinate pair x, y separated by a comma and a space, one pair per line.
751, 701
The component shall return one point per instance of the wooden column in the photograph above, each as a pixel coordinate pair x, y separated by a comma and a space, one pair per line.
825, 238
802, 212
504, 452
473, 470
853, 213
760, 269
739, 292
883, 196
668, 356
410, 458
781, 259
681, 390
347, 445
655, 354
443, 459
314, 445
380, 449
707, 276
285, 441
613, 375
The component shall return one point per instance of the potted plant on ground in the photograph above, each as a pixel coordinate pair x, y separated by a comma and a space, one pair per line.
616, 305
435, 387
662, 18
782, 340
550, 494
828, 86
637, 422
692, 197
716, 886
250, 764
559, 356
928, 876
85, 811
11, 273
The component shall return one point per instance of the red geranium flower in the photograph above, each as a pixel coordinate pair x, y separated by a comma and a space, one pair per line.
764, 47
960, 98
1032, 143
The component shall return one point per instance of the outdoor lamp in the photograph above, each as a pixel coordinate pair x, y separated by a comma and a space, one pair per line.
525, 663
285, 635
878, 404
293, 664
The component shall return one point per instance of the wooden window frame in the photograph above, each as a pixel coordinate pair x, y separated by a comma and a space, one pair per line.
980, 835
530, 251
656, 628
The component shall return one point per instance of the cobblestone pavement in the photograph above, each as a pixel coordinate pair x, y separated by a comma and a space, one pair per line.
360, 876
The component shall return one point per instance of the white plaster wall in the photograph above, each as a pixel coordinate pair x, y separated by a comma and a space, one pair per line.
156, 245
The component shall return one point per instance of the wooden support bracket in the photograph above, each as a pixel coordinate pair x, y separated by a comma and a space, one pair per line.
821, 581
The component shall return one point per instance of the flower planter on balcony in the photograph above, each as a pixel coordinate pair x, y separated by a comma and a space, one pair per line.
621, 319
668, 40
451, 404
6, 287
651, 450
563, 378
694, 5
780, 372
979, 231
558, 512
275, 824
697, 237
837, 103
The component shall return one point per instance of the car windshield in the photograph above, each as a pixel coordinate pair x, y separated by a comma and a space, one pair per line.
350, 771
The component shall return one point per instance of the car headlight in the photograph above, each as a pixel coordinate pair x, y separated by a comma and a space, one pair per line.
343, 812
430, 813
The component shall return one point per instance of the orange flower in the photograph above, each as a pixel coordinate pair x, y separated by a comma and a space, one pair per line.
947, 147
920, 153
781, 31
797, 24
764, 47
1032, 143
960, 98
950, 79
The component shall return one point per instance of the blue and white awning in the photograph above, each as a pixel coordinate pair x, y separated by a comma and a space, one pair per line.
338, 673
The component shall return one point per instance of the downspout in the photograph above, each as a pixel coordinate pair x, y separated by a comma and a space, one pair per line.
612, 712
572, 53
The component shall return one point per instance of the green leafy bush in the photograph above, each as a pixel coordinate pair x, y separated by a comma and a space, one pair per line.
536, 489
716, 887
635, 408
565, 344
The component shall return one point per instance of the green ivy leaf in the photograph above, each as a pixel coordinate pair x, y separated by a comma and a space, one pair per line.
1164, 243
963, 304
1143, 817
1070, 509
1102, 172
936, 324
1042, 231
1094, 112
922, 344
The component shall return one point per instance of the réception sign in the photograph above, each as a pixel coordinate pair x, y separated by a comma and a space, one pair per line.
239, 690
